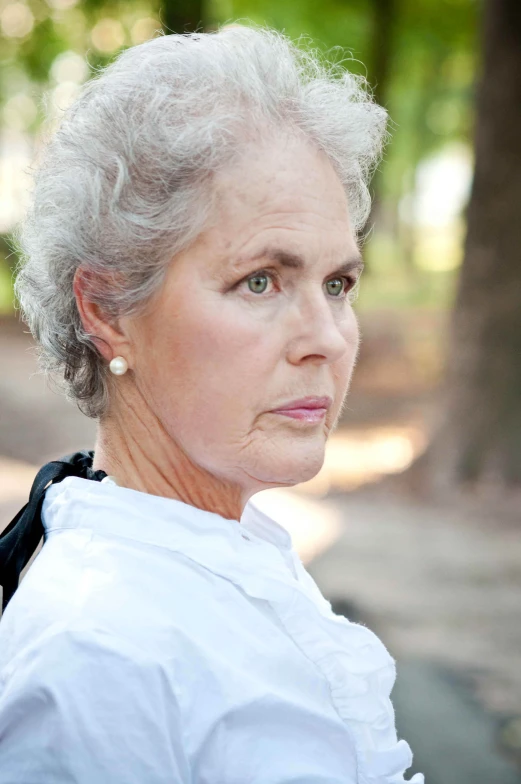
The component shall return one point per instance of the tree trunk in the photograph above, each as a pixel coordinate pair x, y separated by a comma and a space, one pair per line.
182, 16
383, 14
481, 436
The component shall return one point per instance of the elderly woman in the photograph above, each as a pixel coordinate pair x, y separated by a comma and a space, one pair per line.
189, 257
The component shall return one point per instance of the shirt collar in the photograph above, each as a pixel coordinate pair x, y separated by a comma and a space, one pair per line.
165, 522
259, 524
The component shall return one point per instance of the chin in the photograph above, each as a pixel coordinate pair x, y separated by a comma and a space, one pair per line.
293, 468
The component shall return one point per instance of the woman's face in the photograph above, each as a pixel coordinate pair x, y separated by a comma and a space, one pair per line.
252, 317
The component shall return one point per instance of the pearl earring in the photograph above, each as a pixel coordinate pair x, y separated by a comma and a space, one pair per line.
118, 366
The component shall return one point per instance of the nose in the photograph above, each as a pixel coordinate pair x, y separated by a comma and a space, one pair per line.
321, 331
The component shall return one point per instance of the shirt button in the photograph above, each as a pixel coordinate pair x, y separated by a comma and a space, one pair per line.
246, 537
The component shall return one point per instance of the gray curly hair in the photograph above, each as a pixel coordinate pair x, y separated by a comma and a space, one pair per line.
125, 182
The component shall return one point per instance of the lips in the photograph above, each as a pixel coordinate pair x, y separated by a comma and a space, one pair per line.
306, 403
307, 409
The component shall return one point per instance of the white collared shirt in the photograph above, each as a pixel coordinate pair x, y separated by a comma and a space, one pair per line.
152, 642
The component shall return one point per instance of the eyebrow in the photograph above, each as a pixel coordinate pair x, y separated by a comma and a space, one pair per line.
294, 261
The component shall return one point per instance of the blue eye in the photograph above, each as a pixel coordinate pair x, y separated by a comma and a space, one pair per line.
335, 287
258, 283
340, 287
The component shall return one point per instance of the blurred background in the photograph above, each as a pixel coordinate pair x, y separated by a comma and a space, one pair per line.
413, 526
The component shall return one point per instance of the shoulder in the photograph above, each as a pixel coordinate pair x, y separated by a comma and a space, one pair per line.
93, 691
116, 595
75, 657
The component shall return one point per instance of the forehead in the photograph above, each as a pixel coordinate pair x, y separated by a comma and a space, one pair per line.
286, 170
288, 187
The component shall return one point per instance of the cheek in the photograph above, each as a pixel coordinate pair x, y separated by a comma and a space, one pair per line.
206, 360
343, 368
220, 345
218, 380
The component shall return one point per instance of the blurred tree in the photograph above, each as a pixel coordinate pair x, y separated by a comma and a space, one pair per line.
182, 16
481, 435
384, 20
417, 54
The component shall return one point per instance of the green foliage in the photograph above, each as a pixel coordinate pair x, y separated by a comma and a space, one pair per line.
431, 71
38, 52
432, 60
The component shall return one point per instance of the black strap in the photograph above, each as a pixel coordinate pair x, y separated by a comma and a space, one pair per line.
21, 537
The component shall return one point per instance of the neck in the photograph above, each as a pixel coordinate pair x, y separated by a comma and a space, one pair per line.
142, 456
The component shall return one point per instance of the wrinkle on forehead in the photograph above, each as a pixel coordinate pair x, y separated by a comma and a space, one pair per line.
270, 177
281, 188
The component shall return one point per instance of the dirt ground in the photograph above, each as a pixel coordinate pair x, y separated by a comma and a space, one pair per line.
440, 583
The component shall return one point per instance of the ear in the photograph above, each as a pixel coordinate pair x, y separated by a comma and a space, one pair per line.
105, 331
